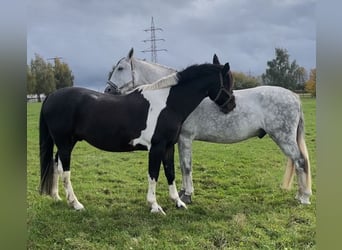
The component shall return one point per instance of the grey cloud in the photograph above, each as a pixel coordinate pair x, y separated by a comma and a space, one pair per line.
92, 35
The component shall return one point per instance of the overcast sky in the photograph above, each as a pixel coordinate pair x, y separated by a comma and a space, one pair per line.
92, 35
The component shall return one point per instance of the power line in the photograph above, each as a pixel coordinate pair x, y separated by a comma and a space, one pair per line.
54, 58
153, 49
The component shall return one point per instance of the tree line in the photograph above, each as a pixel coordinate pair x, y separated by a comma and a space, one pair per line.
280, 72
44, 78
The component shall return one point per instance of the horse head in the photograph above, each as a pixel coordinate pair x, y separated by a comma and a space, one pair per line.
122, 75
229, 104
131, 72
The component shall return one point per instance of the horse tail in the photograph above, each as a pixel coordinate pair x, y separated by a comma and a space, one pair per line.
289, 173
46, 155
304, 151
290, 169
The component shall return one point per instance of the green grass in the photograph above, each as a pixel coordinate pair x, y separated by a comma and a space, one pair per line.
238, 203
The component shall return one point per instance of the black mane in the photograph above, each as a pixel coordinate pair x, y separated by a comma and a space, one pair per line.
197, 71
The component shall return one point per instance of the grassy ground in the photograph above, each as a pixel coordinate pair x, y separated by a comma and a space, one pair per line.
238, 203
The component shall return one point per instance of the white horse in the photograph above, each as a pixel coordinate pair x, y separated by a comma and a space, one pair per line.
259, 111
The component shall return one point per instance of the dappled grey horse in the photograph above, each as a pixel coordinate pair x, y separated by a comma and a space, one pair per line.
259, 111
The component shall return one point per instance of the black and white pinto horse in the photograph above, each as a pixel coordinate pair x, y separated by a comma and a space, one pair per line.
259, 111
148, 118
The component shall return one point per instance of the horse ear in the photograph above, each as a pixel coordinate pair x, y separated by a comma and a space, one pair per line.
216, 60
225, 69
130, 53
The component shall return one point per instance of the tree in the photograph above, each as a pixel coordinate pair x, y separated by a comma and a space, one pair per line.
281, 72
310, 85
43, 74
63, 75
242, 81
31, 81
301, 78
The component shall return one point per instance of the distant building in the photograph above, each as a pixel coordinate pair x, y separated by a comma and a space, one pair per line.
34, 98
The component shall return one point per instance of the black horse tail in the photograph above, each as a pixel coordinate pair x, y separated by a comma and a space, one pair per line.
46, 156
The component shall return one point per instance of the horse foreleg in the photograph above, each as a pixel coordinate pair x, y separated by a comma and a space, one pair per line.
153, 174
169, 170
185, 158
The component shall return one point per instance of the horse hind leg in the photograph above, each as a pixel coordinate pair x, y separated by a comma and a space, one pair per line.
298, 163
304, 190
57, 171
304, 174
303, 166
70, 195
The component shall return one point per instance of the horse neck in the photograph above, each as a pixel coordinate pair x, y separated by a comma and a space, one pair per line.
185, 99
149, 73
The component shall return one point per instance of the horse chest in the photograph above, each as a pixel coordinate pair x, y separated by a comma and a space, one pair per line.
157, 100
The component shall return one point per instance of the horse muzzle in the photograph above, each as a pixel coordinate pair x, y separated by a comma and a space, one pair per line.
229, 106
112, 90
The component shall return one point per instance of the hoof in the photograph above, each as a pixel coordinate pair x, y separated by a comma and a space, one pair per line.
303, 199
79, 207
76, 205
157, 209
56, 198
185, 197
181, 193
180, 204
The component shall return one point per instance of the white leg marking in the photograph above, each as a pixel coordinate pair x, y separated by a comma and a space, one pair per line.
151, 197
174, 195
71, 198
56, 173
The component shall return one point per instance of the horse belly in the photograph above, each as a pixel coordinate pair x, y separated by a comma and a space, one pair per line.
113, 136
208, 123
115, 145
228, 134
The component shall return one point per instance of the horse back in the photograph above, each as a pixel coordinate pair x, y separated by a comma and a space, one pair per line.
105, 121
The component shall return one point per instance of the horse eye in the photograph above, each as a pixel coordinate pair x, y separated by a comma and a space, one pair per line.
120, 68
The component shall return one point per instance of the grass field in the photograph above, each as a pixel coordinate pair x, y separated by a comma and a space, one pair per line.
238, 203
